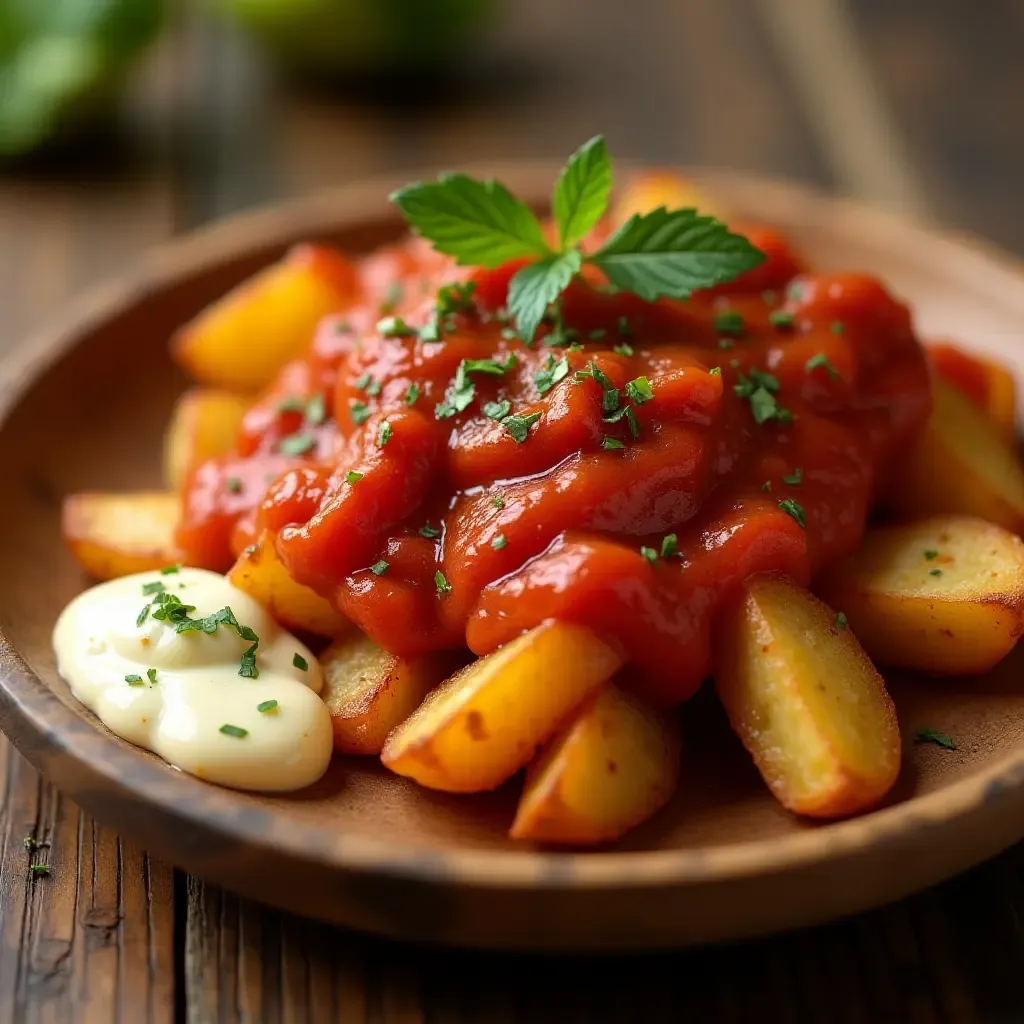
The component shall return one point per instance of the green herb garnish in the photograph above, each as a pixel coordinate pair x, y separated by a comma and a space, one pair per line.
794, 510
151, 675
39, 870
841, 621
650, 554
384, 434
412, 394
429, 531
729, 321
822, 361
298, 443
623, 349
519, 426
934, 572
300, 662
551, 374
480, 223
795, 478
264, 706
611, 444
170, 570
442, 584
930, 555
152, 588
499, 542
497, 410
234, 730
940, 739
639, 390
352, 477
379, 568
669, 545
133, 679
359, 412
781, 319
498, 501
233, 485
394, 327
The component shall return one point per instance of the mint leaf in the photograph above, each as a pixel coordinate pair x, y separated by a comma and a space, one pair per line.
582, 191
536, 286
480, 223
673, 253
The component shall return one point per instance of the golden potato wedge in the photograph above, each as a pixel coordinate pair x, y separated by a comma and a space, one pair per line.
486, 722
944, 595
370, 692
649, 190
609, 769
262, 575
114, 535
242, 340
960, 465
205, 423
805, 700
988, 384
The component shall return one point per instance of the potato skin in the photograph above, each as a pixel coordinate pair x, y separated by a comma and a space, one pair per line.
944, 595
370, 692
240, 341
805, 700
610, 768
261, 574
960, 465
485, 723
113, 535
205, 423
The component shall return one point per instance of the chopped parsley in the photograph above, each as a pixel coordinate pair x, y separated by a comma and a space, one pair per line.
822, 361
298, 443
715, 371
152, 588
316, 408
519, 426
639, 390
611, 444
359, 412
760, 388
795, 478
151, 675
394, 327
551, 374
623, 349
729, 321
379, 568
225, 617
234, 730
940, 739
931, 555
442, 584
842, 621
650, 554
455, 298
39, 870
498, 501
170, 570
794, 510
412, 394
233, 485
499, 542
352, 477
300, 662
264, 706
629, 415
934, 572
428, 531
383, 434
134, 680
781, 319
142, 615
669, 545
497, 410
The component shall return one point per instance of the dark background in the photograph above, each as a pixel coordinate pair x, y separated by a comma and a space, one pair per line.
915, 104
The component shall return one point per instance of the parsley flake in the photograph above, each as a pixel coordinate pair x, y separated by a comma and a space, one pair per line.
650, 554
822, 361
234, 730
930, 555
519, 426
170, 570
384, 434
359, 412
379, 568
781, 319
545, 379
412, 394
498, 501
795, 478
940, 739
264, 706
729, 321
669, 545
133, 679
298, 444
152, 588
842, 621
639, 390
428, 531
934, 572
394, 327
39, 870
611, 444
794, 510
151, 674
499, 542
623, 349
497, 410
442, 584
300, 662
352, 477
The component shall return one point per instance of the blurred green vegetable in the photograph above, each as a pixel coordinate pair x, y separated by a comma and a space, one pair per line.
327, 38
62, 59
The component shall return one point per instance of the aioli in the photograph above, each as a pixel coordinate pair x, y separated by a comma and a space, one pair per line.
197, 688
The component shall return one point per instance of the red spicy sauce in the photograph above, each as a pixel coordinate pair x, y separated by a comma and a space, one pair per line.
553, 526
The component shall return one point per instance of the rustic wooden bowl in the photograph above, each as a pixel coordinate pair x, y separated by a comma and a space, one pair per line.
83, 406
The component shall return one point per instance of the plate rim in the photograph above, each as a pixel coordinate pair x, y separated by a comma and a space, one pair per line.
35, 718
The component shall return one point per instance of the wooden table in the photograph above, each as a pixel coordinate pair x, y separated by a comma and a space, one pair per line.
871, 98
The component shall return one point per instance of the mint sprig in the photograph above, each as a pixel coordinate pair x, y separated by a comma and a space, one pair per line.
661, 253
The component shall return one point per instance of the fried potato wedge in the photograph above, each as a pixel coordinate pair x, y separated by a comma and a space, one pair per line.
960, 465
649, 190
243, 339
262, 575
609, 769
205, 423
944, 595
805, 700
486, 722
114, 535
988, 384
370, 692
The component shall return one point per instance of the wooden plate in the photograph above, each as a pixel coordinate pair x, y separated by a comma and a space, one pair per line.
83, 407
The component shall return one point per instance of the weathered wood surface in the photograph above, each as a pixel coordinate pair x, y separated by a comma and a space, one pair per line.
109, 935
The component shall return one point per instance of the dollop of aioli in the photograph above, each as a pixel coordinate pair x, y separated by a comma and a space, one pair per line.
196, 689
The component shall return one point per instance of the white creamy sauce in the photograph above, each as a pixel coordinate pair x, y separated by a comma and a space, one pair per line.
197, 690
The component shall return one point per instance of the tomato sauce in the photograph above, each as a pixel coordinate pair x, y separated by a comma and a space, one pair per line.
434, 532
